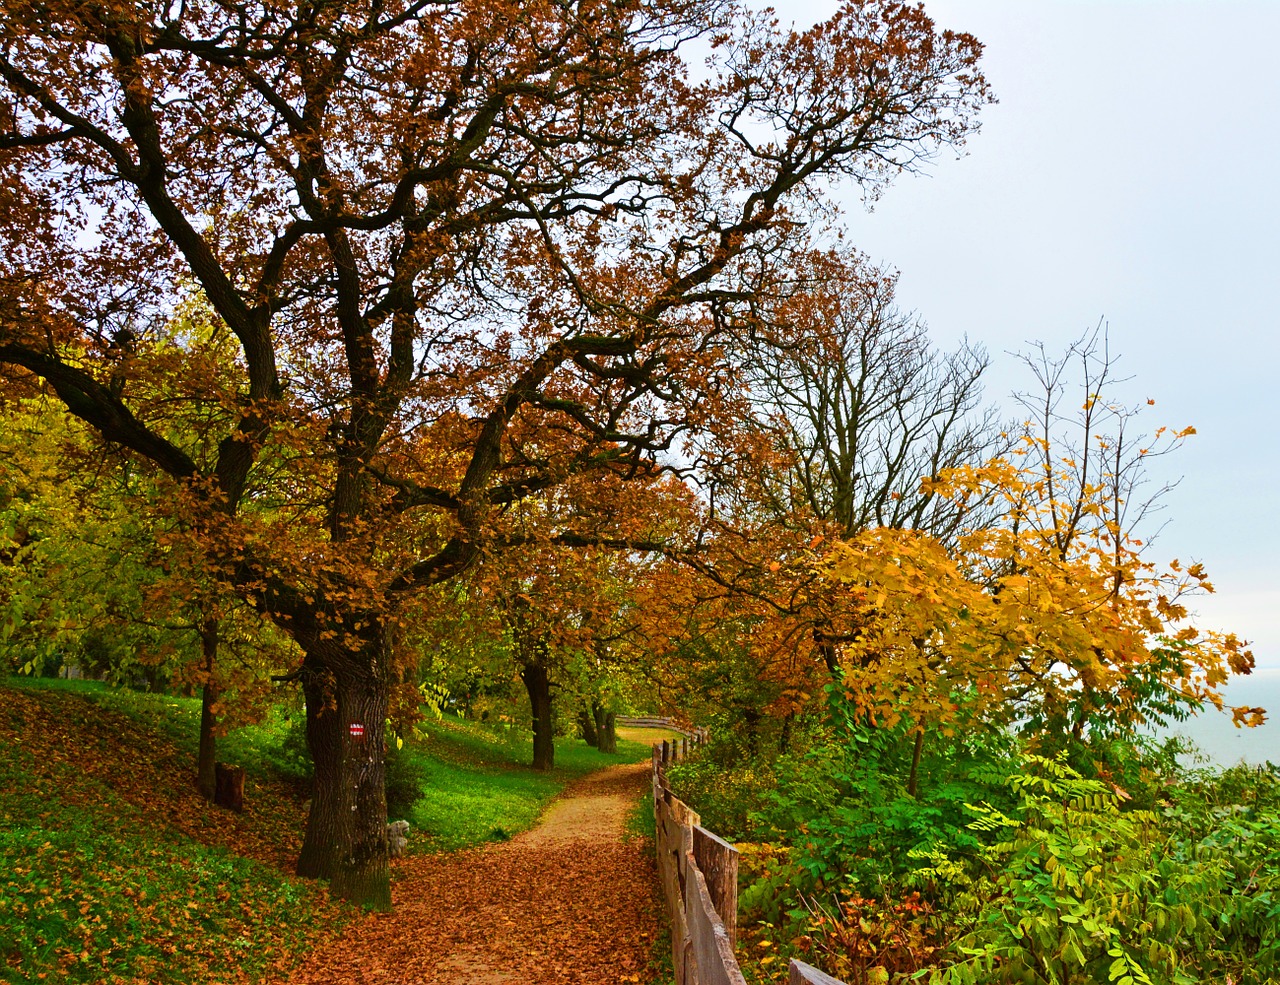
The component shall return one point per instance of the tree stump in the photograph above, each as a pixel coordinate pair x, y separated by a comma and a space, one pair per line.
229, 787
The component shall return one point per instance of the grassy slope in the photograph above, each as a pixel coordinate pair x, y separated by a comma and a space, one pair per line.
115, 870
112, 869
480, 787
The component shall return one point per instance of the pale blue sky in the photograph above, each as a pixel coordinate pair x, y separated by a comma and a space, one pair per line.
1129, 173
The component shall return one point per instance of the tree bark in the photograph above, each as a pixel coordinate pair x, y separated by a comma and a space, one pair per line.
538, 683
606, 731
346, 837
916, 749
587, 722
206, 763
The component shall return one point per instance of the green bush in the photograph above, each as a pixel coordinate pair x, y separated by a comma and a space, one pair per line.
289, 755
1071, 887
406, 776
725, 796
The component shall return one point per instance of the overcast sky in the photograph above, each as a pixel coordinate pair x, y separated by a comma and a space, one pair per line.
1128, 173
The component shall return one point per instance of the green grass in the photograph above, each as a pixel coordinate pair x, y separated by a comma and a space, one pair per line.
640, 821
479, 786
177, 719
112, 869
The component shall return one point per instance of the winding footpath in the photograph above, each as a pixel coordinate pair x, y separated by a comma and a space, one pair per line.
570, 902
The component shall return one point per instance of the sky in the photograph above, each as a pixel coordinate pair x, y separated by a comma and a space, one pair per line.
1129, 173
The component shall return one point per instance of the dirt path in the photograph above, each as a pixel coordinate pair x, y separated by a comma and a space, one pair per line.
569, 902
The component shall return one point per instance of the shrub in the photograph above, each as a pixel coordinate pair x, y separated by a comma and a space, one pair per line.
289, 756
726, 797
1070, 887
405, 778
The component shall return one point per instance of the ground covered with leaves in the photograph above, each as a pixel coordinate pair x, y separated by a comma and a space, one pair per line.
572, 902
115, 870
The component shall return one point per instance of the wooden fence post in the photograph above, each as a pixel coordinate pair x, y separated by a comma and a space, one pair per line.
718, 861
800, 973
699, 875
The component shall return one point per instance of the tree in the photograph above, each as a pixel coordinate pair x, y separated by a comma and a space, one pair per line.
93, 587
468, 253
1053, 614
862, 403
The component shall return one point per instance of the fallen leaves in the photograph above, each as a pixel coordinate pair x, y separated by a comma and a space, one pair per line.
568, 907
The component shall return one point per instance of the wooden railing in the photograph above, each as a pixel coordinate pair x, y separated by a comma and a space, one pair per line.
697, 735
698, 871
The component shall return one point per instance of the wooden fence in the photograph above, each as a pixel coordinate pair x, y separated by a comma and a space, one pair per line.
695, 735
698, 871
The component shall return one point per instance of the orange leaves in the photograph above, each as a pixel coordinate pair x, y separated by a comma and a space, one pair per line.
1248, 717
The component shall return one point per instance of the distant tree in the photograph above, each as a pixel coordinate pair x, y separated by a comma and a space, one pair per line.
1054, 613
863, 404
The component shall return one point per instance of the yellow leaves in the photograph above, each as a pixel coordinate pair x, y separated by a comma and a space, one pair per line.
1040, 604
1248, 717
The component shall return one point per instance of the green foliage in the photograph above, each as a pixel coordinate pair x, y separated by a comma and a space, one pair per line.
1041, 859
845, 809
287, 752
406, 778
727, 796
1071, 887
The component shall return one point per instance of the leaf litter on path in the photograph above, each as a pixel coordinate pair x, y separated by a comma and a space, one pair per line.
571, 901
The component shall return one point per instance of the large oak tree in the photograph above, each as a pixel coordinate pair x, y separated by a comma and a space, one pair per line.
469, 251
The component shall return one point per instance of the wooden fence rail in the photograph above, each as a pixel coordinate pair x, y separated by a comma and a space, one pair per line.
698, 871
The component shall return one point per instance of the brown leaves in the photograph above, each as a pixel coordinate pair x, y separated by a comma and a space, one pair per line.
66, 736
542, 911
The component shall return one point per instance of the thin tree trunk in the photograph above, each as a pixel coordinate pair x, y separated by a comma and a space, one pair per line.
346, 837
206, 763
915, 762
827, 649
538, 684
606, 730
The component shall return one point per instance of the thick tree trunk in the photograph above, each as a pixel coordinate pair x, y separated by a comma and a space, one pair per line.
206, 764
606, 729
537, 682
346, 837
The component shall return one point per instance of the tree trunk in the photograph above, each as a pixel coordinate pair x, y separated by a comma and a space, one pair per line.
827, 649
606, 730
913, 779
206, 764
587, 722
346, 837
537, 682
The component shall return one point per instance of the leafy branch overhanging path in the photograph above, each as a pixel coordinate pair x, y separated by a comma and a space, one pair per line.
570, 902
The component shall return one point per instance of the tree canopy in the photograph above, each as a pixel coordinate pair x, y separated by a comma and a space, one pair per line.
469, 253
